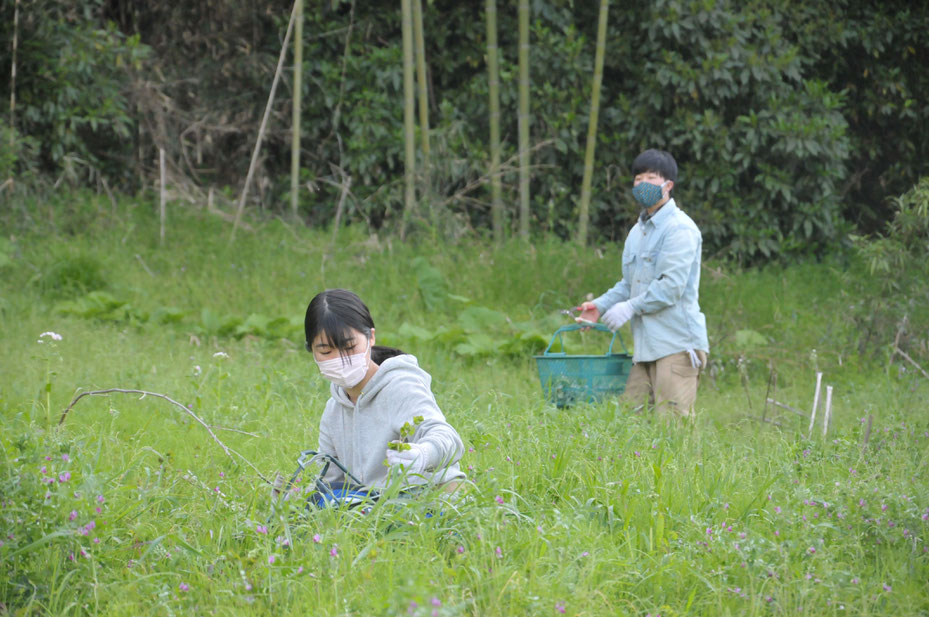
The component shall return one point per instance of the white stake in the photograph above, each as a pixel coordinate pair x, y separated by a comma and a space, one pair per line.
827, 413
819, 381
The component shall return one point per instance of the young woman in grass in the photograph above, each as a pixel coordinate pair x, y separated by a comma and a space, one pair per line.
382, 407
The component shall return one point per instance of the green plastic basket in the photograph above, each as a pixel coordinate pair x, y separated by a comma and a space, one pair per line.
570, 379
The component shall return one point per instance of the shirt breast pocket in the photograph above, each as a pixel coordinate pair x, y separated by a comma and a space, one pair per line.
645, 269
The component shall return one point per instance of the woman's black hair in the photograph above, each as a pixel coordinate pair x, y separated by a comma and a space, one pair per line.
337, 313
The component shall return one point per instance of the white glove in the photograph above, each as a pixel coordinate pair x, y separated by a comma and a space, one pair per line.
413, 460
618, 315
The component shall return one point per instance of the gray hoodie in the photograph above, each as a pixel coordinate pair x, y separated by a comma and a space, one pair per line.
357, 433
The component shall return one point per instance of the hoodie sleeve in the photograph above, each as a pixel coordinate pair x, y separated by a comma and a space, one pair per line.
414, 399
327, 443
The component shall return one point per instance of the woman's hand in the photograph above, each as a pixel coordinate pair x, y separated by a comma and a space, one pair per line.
412, 459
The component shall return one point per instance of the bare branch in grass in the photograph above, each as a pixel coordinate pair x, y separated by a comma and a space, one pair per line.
209, 429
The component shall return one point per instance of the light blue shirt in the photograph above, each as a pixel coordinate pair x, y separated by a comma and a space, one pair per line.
661, 281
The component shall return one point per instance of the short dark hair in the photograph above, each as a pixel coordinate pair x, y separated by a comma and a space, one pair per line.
656, 161
336, 312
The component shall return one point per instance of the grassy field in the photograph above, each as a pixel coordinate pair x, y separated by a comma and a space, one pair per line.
131, 507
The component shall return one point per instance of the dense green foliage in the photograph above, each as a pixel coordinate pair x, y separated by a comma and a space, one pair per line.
792, 121
130, 507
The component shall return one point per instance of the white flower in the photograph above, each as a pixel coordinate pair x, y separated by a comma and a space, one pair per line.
52, 335
220, 354
197, 370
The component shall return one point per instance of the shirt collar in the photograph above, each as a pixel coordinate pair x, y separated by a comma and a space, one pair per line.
662, 213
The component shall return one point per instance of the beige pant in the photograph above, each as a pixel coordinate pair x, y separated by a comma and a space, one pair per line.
669, 384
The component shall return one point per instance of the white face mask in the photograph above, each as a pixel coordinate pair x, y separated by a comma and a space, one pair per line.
348, 371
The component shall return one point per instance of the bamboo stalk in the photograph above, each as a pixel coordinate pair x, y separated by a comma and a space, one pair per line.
161, 168
819, 381
524, 119
13, 84
496, 186
263, 126
584, 214
297, 102
422, 83
409, 106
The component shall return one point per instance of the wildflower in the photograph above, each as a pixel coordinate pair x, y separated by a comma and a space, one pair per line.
883, 507
271, 559
64, 476
435, 602
65, 457
887, 588
261, 529
856, 580
412, 608
44, 470
560, 607
197, 370
99, 498
585, 554
184, 587
461, 549
317, 538
220, 354
52, 335
499, 499
777, 509
334, 551
811, 550
861, 503
73, 515
300, 570
637, 453
499, 552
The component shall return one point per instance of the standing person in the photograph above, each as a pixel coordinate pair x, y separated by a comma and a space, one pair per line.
658, 294
379, 396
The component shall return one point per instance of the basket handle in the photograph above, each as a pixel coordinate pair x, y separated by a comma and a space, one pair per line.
574, 327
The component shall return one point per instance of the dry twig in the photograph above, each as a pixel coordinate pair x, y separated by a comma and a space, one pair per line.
209, 429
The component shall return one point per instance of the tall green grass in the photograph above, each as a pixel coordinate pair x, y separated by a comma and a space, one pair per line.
130, 506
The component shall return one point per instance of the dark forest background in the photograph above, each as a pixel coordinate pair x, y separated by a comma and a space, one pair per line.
794, 123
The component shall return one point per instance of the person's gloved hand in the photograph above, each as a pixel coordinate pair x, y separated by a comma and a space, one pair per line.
413, 460
618, 315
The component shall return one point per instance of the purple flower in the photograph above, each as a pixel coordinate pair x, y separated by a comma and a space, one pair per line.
412, 608
499, 499
461, 549
99, 498
435, 601
65, 457
560, 607
73, 515
261, 529
64, 476
887, 588
499, 552
44, 470
811, 550
300, 570
777, 509
334, 551
271, 559
317, 538
184, 587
